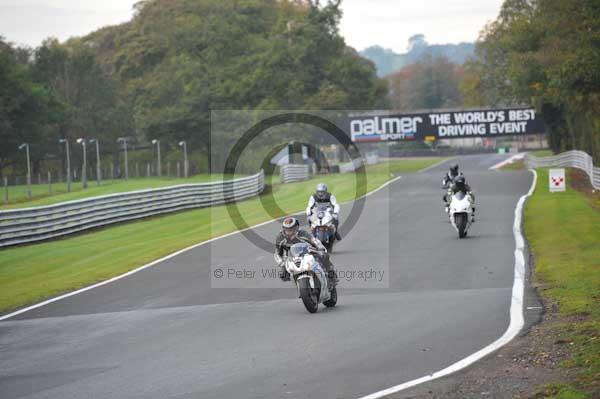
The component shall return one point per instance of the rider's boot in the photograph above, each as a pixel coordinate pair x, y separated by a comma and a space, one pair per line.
337, 230
332, 277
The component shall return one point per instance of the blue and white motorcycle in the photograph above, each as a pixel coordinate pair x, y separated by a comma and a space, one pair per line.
309, 277
322, 226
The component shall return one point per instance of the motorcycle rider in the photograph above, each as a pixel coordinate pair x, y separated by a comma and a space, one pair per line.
322, 196
460, 184
291, 234
447, 182
451, 175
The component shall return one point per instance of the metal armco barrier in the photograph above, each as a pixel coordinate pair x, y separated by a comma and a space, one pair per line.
350, 166
573, 159
372, 158
369, 159
21, 226
291, 173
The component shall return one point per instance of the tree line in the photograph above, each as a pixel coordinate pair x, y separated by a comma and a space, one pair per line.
388, 61
430, 83
543, 53
161, 74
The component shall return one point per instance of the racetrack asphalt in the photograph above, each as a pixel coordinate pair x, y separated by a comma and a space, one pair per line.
168, 332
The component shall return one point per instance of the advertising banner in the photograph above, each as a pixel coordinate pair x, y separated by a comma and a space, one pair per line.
444, 125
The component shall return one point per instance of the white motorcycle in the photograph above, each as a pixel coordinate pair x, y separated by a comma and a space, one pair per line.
460, 212
309, 277
322, 227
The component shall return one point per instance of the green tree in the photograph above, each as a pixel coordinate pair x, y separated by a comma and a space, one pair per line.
178, 60
92, 100
26, 109
431, 83
547, 53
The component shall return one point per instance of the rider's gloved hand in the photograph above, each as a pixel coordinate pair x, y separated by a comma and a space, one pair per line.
321, 251
283, 274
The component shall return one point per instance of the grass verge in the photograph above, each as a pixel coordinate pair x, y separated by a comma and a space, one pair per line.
541, 153
31, 273
563, 230
515, 165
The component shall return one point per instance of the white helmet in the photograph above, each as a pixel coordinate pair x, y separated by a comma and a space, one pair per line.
321, 190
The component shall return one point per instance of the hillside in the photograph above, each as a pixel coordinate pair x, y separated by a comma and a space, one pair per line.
387, 61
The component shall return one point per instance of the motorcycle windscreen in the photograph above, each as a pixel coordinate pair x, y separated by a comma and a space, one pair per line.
460, 195
299, 250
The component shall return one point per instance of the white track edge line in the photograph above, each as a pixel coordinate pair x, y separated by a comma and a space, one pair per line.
157, 261
507, 161
516, 311
435, 165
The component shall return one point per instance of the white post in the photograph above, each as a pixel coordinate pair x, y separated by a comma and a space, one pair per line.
158, 166
98, 170
185, 158
82, 141
26, 146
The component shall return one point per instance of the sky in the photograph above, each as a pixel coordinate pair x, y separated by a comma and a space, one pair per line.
387, 23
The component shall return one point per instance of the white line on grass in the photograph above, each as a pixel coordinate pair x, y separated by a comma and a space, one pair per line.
435, 165
507, 161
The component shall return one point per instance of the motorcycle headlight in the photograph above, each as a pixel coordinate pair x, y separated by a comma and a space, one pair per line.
321, 215
308, 261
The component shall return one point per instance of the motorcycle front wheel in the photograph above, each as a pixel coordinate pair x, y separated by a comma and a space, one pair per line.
461, 224
309, 298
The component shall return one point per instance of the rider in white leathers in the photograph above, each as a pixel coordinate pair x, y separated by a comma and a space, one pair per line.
322, 196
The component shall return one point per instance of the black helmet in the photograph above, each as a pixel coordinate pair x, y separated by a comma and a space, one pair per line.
454, 170
321, 191
290, 227
460, 181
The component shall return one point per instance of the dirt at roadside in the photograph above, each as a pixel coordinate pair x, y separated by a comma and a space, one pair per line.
520, 369
580, 181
